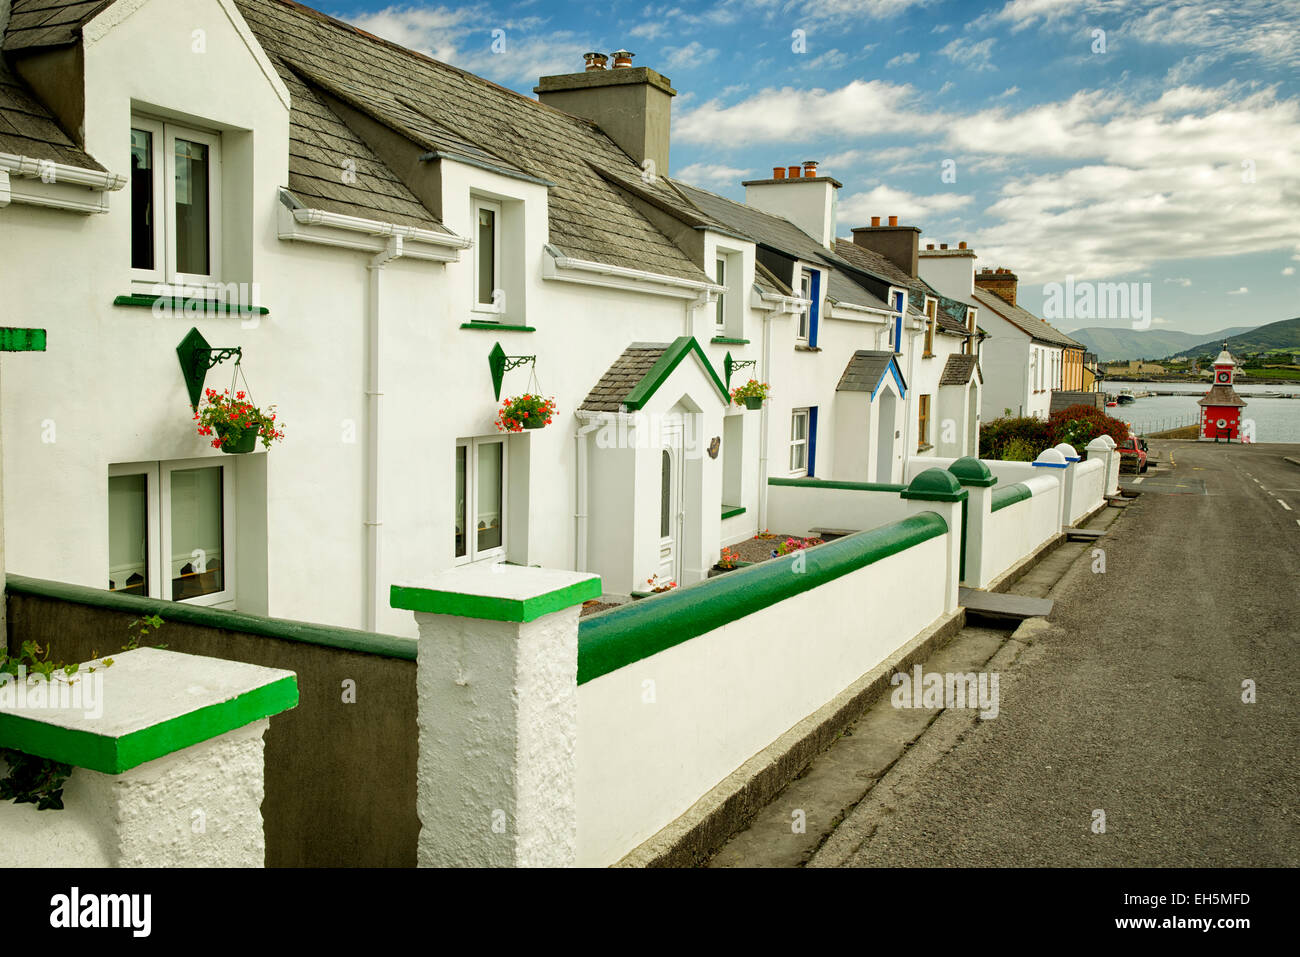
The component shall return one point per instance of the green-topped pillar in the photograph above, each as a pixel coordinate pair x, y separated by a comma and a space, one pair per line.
978, 482
497, 687
937, 490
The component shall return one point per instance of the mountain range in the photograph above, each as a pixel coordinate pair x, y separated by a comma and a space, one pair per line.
1116, 344
1284, 334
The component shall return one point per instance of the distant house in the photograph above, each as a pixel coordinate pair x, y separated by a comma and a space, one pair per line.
1025, 357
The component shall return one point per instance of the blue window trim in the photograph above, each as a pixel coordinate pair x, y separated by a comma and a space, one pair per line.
812, 440
814, 311
898, 322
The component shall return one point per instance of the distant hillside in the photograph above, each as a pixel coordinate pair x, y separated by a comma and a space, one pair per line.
1113, 344
1276, 335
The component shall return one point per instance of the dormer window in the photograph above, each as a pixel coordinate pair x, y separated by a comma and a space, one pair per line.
931, 317
968, 347
175, 203
810, 284
720, 317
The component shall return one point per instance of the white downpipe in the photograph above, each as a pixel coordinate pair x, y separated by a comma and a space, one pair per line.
763, 423
588, 426
374, 419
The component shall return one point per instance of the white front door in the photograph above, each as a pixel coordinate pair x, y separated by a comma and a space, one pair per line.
887, 409
670, 506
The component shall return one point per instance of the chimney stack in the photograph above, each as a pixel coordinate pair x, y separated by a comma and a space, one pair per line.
801, 195
632, 105
1001, 282
899, 244
962, 244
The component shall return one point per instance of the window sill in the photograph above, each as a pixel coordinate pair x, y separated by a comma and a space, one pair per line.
924, 447
799, 347
498, 326
927, 355
190, 306
731, 511
728, 341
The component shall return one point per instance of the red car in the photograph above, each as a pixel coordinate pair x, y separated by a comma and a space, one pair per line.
1133, 454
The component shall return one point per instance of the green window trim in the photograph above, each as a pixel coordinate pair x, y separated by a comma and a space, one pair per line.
178, 304
621, 636
22, 340
731, 511
496, 326
728, 341
1009, 495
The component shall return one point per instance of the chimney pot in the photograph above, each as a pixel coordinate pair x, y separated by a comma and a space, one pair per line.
962, 244
810, 168
943, 245
795, 171
893, 220
929, 245
875, 220
778, 172
622, 58
595, 61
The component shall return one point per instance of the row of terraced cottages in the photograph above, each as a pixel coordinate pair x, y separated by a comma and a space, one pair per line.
248, 194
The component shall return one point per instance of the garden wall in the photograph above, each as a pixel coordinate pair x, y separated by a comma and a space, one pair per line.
1088, 492
796, 506
1024, 517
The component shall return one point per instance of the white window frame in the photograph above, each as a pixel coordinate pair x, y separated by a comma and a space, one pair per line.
490, 308
804, 329
472, 553
720, 314
163, 158
158, 501
806, 415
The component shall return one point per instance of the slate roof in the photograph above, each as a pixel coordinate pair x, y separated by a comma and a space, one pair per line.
777, 232
1220, 395
959, 369
865, 370
951, 314
622, 377
768, 281
27, 128
1024, 320
44, 23
451, 111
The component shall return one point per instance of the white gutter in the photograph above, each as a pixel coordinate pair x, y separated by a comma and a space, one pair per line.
51, 172
374, 393
589, 423
562, 261
374, 227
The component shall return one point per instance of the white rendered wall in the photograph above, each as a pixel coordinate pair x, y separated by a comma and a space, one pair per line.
796, 510
1017, 530
1088, 494
723, 696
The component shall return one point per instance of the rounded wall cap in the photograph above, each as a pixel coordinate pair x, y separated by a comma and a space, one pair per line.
1050, 458
971, 471
935, 485
1102, 443
1066, 449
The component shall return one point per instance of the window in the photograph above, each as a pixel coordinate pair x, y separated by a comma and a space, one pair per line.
171, 531
720, 318
175, 203
665, 494
480, 499
923, 423
489, 296
799, 441
931, 312
968, 347
805, 317
896, 337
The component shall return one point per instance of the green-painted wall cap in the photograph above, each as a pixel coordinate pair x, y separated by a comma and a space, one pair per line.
935, 485
497, 592
971, 471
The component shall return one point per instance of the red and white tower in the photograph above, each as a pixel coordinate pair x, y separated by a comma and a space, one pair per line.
1221, 406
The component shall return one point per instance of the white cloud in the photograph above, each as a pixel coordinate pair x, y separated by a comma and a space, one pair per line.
1288, 270
858, 208
1239, 291
975, 56
693, 54
1180, 281
650, 30
711, 174
903, 59
1009, 91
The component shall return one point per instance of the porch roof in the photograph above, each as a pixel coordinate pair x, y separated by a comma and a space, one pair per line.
959, 369
637, 374
866, 370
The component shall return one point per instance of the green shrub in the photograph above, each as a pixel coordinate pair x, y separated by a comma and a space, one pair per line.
1080, 424
997, 434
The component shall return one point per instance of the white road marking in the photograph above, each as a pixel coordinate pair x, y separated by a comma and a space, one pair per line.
1284, 505
1140, 478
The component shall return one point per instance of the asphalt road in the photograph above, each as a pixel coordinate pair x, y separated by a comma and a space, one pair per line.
1129, 700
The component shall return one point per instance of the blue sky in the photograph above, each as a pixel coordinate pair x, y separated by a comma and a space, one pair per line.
1166, 150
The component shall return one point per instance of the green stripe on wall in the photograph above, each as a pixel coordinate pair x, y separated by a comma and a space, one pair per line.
847, 486
1009, 495
618, 637
348, 639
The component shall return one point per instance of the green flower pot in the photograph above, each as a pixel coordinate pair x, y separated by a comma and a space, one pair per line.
244, 440
533, 422
753, 402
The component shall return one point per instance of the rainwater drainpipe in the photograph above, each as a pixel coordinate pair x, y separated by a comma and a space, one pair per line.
763, 421
588, 424
374, 392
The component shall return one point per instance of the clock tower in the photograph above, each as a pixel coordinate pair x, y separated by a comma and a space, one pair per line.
1221, 406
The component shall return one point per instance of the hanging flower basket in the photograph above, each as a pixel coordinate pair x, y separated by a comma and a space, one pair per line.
525, 411
234, 424
751, 395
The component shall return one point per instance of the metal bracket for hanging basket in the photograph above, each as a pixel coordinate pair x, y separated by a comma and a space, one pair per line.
197, 357
730, 365
500, 364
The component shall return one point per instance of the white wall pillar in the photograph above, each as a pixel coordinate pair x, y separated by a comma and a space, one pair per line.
497, 680
1104, 445
977, 513
937, 490
1054, 464
1072, 460
166, 750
